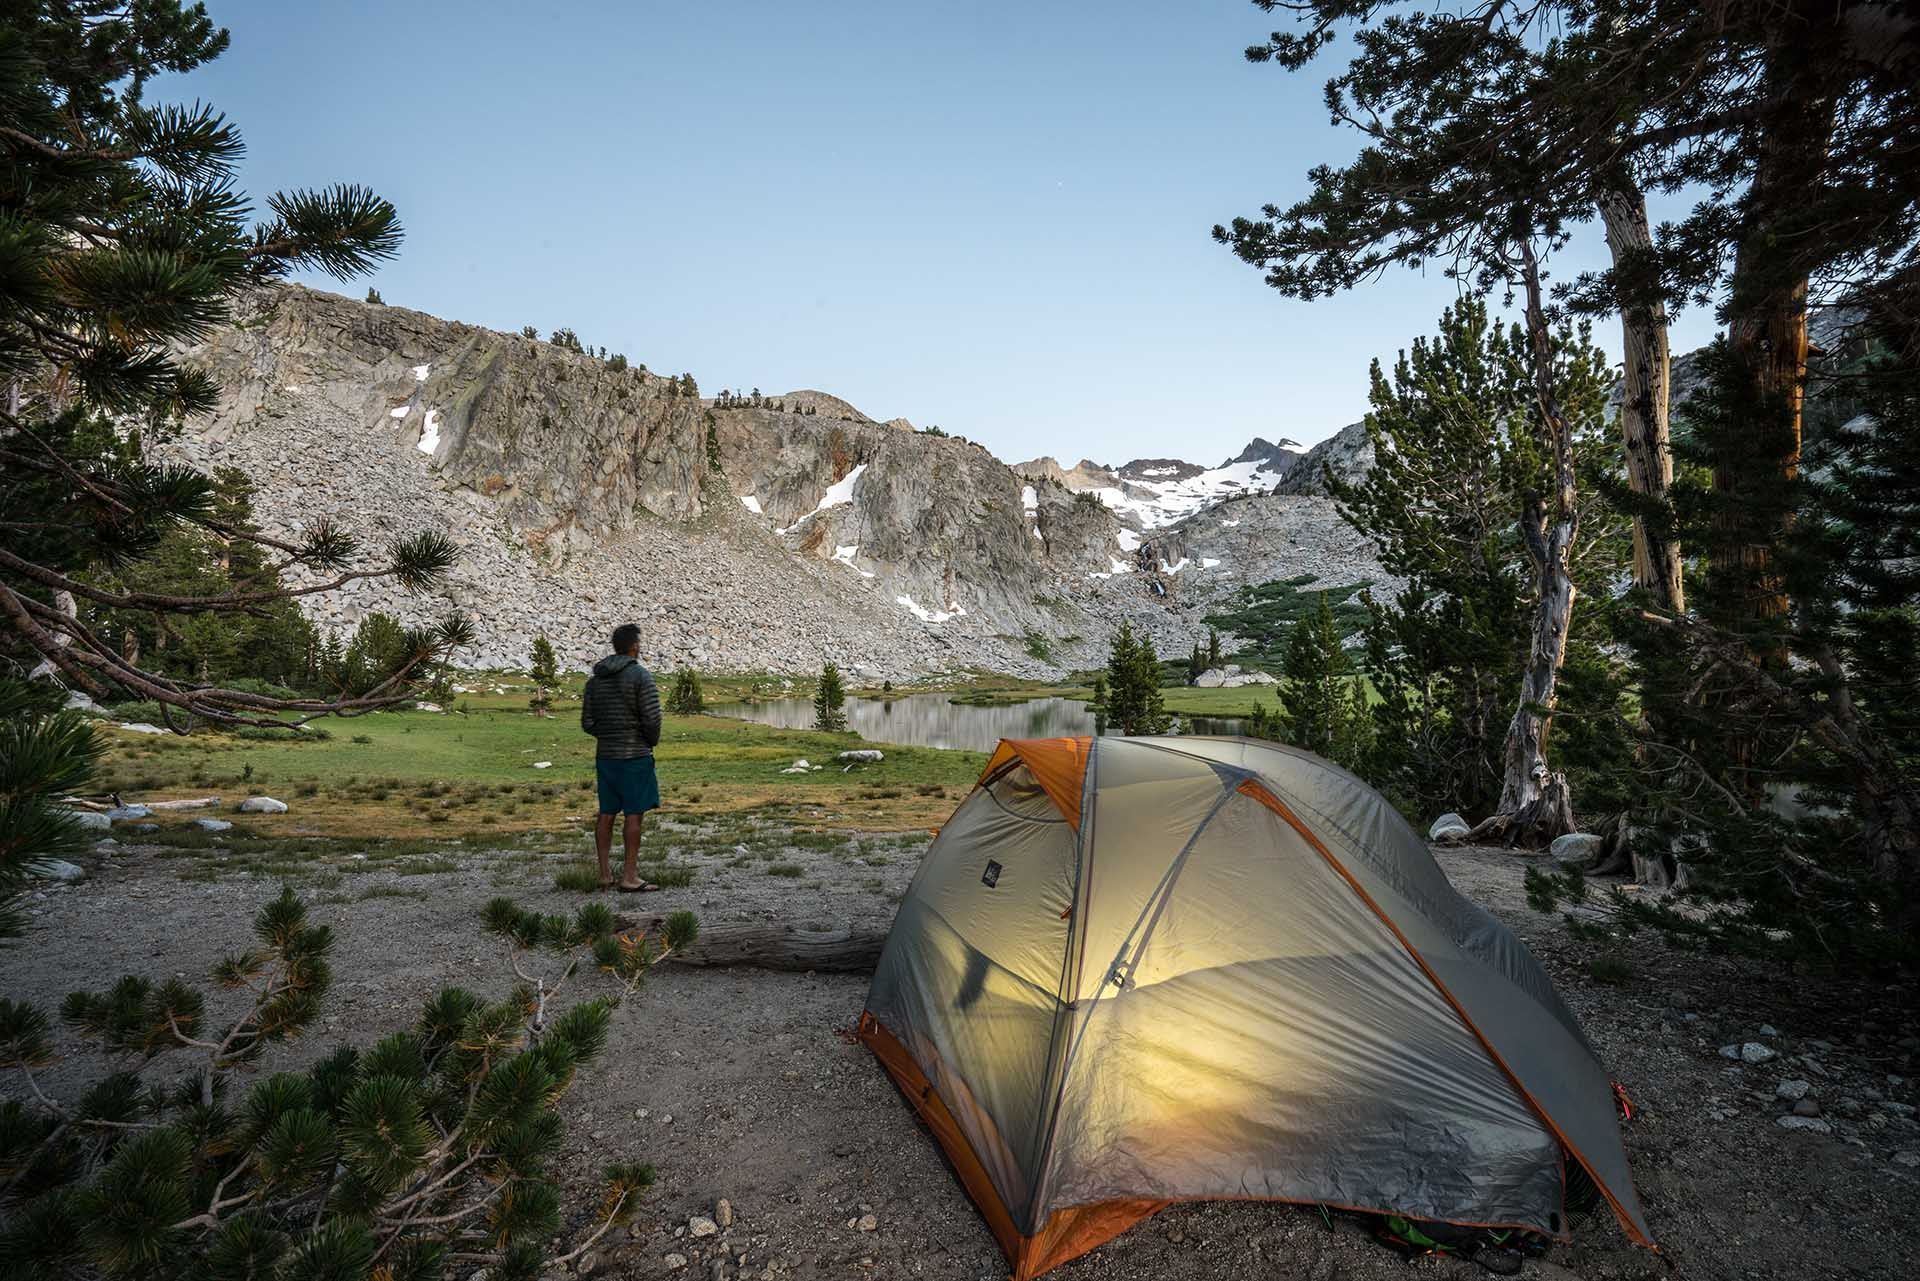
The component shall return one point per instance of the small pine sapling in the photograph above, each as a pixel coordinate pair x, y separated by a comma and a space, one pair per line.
829, 701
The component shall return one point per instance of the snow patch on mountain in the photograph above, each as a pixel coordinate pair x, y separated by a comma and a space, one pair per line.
838, 494
926, 615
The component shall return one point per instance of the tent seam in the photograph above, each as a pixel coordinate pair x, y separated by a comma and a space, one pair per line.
1076, 1037
1069, 974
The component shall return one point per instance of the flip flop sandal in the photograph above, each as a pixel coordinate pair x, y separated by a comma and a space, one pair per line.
642, 888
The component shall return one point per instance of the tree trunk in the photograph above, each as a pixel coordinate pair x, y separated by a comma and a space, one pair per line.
1535, 805
1767, 338
1644, 390
1767, 348
776, 946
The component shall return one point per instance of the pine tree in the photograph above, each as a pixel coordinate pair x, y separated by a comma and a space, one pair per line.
1133, 701
1196, 664
1835, 874
1323, 702
528, 331
1789, 120
45, 752
128, 239
374, 298
1454, 503
545, 674
317, 1172
686, 698
1213, 649
829, 700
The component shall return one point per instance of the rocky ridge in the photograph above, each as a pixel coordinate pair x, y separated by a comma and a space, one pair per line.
737, 535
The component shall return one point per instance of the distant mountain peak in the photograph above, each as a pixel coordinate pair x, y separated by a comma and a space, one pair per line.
1272, 455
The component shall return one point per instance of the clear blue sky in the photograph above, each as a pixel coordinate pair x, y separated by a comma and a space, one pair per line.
992, 216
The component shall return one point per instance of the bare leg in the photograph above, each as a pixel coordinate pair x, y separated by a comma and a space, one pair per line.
630, 875
603, 845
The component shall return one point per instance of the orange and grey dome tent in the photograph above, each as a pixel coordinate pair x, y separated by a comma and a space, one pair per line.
1134, 971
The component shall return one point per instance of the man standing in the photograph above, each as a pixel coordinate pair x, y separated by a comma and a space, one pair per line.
621, 709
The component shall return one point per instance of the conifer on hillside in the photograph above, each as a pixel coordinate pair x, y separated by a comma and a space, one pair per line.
1323, 701
829, 701
686, 698
1133, 701
545, 674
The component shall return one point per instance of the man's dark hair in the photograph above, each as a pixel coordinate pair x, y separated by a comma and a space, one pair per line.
625, 637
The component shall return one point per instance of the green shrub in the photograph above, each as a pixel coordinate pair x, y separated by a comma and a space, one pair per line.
317, 1172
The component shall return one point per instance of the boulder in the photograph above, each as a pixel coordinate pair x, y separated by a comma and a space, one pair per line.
1813, 1123
262, 805
1793, 1090
92, 820
1448, 827
125, 812
863, 756
139, 727
1576, 848
212, 824
1751, 1052
55, 869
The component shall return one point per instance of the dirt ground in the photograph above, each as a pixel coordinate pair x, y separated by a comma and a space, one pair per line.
742, 1085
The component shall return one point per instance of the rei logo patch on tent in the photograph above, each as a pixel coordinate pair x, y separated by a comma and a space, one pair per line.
990, 877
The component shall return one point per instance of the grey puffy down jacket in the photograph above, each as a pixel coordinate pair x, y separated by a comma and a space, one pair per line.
621, 709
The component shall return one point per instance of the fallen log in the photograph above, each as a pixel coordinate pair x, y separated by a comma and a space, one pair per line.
774, 946
114, 802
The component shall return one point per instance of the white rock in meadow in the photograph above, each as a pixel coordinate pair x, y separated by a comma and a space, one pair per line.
543, 764
864, 755
262, 805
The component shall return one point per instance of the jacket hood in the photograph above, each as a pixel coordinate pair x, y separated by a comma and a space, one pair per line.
614, 663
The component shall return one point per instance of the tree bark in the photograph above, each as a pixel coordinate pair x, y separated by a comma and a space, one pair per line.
1767, 337
1644, 405
776, 946
1534, 804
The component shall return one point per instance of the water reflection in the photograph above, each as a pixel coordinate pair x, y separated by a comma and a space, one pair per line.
932, 720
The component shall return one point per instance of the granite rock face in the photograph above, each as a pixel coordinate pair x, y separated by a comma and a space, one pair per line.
738, 536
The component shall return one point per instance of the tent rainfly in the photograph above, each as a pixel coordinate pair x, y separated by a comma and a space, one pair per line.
1134, 971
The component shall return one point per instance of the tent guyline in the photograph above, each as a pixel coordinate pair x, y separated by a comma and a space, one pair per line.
1129, 972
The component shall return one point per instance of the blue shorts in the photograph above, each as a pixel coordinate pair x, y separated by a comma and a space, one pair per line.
627, 787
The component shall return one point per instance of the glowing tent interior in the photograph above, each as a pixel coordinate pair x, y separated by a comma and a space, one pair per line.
1137, 971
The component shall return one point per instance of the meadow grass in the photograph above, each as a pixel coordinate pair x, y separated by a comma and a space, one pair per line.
413, 774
